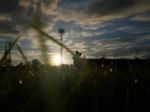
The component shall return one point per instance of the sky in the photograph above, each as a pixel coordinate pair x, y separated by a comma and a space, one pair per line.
96, 28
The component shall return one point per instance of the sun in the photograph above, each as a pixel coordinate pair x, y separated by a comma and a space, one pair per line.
57, 60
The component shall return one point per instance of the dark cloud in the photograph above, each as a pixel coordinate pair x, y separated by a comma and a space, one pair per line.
11, 9
75, 16
8, 6
20, 13
103, 7
123, 49
7, 27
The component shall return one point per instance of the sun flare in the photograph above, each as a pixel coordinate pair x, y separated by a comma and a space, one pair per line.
57, 60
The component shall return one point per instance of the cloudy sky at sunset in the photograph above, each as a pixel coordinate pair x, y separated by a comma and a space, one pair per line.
119, 28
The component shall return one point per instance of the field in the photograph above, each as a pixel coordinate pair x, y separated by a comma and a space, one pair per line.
99, 85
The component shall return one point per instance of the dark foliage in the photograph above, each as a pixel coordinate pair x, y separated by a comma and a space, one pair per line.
103, 85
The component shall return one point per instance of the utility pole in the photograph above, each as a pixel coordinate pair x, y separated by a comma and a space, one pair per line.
61, 31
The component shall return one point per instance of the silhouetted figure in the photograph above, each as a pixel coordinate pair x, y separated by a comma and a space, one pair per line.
76, 59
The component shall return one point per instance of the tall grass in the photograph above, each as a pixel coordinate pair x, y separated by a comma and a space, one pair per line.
8, 50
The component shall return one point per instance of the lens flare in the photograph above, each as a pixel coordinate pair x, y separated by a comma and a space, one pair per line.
57, 60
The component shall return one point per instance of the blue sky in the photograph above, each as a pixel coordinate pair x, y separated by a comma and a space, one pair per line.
110, 28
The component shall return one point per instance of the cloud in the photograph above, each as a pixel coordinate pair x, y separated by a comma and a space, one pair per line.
120, 47
17, 13
108, 25
7, 27
81, 12
98, 11
141, 17
104, 7
9, 6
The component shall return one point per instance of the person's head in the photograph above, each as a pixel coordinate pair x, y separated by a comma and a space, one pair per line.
77, 52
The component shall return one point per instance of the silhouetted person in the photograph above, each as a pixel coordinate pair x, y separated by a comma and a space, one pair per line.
76, 59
